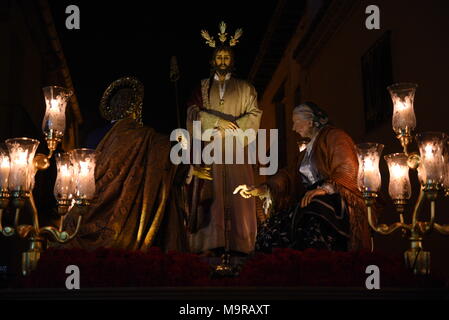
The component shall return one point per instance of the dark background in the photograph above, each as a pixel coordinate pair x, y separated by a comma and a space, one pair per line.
138, 38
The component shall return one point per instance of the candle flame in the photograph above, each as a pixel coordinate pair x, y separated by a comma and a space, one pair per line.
5, 162
65, 172
54, 104
84, 168
402, 106
368, 164
398, 171
428, 151
21, 157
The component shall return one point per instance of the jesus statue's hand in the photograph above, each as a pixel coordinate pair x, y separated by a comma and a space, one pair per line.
223, 125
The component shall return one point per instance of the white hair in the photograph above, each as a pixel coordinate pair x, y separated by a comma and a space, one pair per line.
315, 114
304, 111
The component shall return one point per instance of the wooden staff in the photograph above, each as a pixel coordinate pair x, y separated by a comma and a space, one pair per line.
174, 77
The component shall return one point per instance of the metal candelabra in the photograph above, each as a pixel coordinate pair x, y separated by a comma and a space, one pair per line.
74, 186
431, 164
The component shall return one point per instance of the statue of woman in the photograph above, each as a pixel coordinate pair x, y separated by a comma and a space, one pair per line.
317, 202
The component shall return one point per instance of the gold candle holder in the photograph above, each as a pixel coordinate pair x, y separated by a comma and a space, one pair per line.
429, 164
17, 172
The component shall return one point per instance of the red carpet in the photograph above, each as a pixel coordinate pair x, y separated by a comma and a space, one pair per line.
284, 267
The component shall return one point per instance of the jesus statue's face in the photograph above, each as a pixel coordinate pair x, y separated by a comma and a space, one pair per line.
223, 61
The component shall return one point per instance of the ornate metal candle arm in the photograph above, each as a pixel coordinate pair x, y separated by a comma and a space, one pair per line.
417, 229
416, 259
34, 232
17, 195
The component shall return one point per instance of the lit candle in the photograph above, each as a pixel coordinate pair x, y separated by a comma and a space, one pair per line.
399, 187
55, 117
56, 100
4, 171
84, 168
66, 177
428, 152
397, 171
22, 170
403, 114
63, 185
431, 147
403, 106
369, 179
65, 172
86, 187
84, 162
402, 95
19, 169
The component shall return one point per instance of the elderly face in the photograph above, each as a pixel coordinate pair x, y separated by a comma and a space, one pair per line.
223, 60
301, 126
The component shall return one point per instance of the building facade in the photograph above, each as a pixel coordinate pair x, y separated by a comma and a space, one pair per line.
333, 59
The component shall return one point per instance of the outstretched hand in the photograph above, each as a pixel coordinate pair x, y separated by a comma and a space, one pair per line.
248, 191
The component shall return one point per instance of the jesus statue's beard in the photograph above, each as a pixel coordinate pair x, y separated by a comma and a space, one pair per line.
222, 72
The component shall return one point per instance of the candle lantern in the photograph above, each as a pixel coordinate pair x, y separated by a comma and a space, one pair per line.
369, 180
399, 187
63, 189
402, 95
17, 171
53, 124
432, 166
431, 149
22, 171
84, 167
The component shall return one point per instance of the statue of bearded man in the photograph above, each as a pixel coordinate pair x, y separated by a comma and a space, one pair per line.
220, 219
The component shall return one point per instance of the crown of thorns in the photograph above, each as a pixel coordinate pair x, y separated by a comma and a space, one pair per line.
222, 36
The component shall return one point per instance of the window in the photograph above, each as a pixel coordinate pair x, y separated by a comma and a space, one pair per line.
377, 76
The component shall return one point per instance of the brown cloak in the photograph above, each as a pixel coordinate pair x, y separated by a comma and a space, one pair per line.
134, 206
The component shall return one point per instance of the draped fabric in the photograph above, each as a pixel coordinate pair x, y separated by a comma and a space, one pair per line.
323, 224
216, 198
135, 204
336, 159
